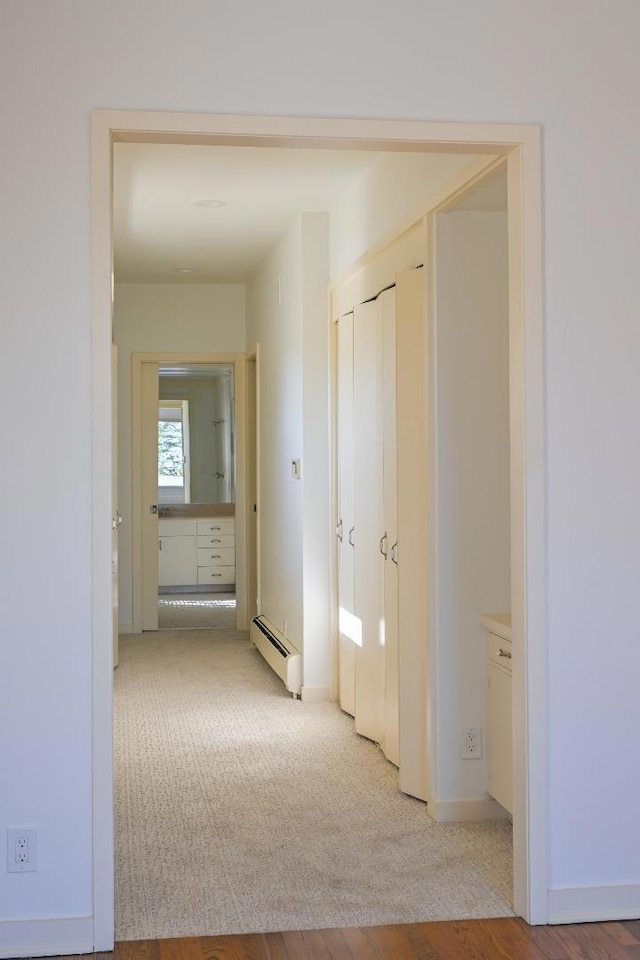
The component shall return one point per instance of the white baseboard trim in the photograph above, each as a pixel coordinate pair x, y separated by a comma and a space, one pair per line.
125, 628
46, 938
587, 904
315, 694
459, 811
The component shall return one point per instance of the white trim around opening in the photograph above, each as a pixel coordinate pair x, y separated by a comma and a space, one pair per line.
521, 146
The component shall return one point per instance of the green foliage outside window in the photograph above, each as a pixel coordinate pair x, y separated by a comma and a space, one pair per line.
170, 455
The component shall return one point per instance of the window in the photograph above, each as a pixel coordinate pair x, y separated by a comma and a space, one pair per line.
173, 449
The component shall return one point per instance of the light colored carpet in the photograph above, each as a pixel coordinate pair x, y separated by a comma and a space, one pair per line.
242, 810
197, 611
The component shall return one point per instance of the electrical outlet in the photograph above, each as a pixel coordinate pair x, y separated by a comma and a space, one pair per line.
471, 745
22, 850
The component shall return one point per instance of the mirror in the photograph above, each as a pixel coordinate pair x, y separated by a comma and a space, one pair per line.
196, 449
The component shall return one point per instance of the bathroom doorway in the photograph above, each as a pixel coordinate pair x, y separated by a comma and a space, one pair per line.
196, 486
188, 491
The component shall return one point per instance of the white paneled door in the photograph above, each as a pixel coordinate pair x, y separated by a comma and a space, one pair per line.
412, 445
391, 743
368, 518
349, 632
383, 496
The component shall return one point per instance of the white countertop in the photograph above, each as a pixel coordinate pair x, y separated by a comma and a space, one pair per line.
498, 623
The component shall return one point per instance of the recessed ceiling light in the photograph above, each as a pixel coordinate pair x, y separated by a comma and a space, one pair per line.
186, 270
208, 203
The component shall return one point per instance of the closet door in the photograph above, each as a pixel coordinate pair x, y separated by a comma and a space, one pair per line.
348, 627
368, 518
391, 743
412, 440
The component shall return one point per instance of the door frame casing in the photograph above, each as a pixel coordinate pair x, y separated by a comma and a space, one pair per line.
172, 357
252, 506
520, 144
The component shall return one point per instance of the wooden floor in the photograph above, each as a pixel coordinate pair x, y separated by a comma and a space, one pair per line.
504, 939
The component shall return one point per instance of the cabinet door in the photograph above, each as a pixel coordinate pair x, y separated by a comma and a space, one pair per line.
391, 742
368, 518
177, 561
348, 628
499, 746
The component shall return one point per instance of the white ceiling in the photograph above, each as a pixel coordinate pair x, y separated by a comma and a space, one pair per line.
160, 233
166, 231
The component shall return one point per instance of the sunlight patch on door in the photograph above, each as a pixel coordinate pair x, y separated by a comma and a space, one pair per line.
350, 626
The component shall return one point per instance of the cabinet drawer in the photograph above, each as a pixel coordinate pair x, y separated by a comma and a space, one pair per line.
213, 527
499, 651
216, 557
176, 528
217, 540
216, 575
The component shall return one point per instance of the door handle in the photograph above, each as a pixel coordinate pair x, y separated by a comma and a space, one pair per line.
351, 536
339, 530
393, 553
159, 544
153, 508
383, 544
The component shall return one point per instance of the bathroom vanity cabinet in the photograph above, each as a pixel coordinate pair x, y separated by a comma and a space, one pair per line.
499, 743
196, 552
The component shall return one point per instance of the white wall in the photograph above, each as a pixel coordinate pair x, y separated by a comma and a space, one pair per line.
472, 490
164, 316
274, 296
287, 316
316, 454
385, 198
571, 67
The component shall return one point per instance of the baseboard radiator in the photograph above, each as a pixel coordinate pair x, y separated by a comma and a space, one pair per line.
280, 654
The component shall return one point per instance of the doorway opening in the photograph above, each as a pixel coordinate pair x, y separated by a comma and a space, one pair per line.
188, 550
196, 468
524, 316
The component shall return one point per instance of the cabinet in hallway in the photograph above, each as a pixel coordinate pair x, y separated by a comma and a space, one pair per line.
381, 426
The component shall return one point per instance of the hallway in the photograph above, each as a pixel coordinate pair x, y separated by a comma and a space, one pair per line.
240, 810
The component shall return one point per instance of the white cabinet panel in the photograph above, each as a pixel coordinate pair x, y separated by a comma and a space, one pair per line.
499, 745
499, 722
176, 561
